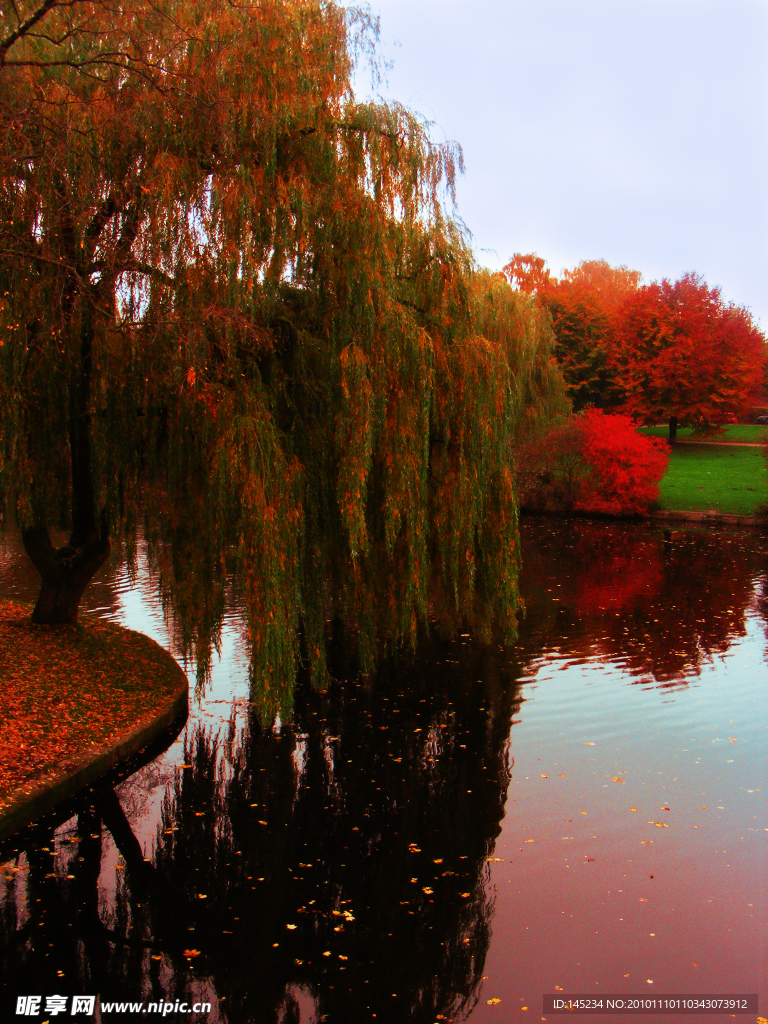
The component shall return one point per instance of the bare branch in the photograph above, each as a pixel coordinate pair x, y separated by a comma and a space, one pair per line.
31, 21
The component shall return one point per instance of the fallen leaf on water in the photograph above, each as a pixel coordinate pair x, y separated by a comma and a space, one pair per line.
543, 776
465, 895
493, 1002
589, 743
190, 952
427, 890
616, 779
291, 927
328, 953
633, 808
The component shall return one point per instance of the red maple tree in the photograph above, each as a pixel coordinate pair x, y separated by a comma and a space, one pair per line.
683, 355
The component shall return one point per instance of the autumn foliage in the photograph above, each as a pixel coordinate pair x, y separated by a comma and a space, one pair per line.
683, 354
666, 351
238, 317
594, 462
623, 467
583, 305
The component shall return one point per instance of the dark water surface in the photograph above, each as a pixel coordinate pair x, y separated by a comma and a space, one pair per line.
583, 812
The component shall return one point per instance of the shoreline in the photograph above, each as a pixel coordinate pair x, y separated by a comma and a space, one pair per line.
708, 517
81, 701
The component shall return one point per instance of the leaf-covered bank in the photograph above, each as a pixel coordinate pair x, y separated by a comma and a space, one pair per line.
76, 701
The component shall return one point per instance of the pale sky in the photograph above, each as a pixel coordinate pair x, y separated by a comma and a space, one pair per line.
634, 131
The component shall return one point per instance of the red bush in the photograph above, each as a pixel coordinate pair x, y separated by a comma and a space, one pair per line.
622, 467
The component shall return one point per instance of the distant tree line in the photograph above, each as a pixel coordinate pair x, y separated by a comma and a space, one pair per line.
674, 352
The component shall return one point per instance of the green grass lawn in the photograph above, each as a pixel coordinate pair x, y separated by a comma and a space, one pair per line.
703, 477
734, 433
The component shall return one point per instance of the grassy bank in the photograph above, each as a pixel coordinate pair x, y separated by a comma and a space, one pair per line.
74, 697
704, 477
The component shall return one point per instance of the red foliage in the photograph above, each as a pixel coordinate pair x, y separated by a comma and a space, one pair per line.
582, 305
528, 273
681, 351
623, 467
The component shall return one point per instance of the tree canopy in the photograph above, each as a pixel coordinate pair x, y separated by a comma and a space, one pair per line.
685, 355
236, 312
672, 351
583, 305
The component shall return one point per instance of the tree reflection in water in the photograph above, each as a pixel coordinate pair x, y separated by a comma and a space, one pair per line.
340, 860
662, 602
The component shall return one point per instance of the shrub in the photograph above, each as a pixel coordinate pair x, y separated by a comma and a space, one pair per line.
624, 468
594, 462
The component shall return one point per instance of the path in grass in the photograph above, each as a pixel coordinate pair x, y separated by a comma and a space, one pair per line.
736, 433
730, 478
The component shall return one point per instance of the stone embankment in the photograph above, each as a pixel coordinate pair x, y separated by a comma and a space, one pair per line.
710, 516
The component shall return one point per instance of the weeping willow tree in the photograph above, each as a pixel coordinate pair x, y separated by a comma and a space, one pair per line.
235, 312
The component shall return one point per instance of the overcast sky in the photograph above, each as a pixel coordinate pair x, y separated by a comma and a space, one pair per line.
634, 131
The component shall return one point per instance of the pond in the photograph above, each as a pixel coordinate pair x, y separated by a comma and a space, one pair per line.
583, 812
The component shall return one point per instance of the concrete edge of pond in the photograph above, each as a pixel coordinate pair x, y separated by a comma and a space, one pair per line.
37, 795
711, 516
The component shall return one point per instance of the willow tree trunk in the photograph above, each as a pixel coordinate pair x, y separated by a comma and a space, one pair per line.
66, 572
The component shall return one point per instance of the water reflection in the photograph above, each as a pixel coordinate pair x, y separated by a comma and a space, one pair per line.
339, 866
660, 602
339, 861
